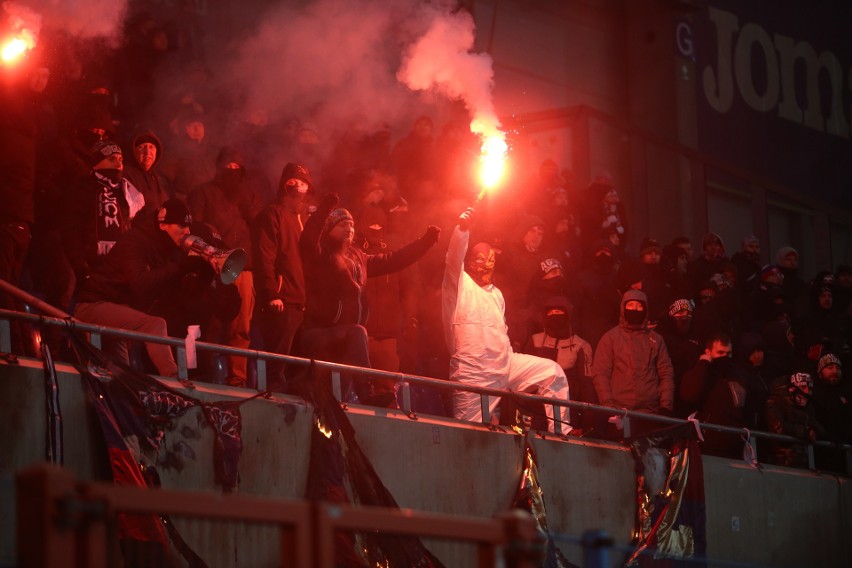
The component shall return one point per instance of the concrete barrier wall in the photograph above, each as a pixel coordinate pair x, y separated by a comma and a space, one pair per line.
775, 516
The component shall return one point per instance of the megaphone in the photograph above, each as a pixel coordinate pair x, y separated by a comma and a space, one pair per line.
227, 264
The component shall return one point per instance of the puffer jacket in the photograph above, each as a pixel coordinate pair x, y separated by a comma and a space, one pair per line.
632, 368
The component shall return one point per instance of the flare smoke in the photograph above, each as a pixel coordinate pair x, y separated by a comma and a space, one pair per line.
79, 18
442, 61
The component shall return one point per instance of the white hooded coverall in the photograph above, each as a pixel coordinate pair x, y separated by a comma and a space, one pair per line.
478, 341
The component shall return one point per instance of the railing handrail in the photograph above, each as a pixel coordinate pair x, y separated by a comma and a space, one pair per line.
404, 379
57, 502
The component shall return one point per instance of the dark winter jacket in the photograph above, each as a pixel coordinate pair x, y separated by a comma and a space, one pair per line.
143, 264
335, 280
230, 209
151, 184
93, 210
278, 273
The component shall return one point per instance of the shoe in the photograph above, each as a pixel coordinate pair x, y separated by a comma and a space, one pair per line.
235, 382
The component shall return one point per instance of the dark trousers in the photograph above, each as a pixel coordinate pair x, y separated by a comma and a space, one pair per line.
279, 330
345, 344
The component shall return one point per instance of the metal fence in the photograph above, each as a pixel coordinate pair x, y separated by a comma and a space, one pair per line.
404, 380
64, 522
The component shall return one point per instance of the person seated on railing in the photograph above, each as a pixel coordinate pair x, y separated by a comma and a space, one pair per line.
477, 336
632, 367
145, 263
336, 306
789, 411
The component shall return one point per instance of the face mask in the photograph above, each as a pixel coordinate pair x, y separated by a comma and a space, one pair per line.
722, 367
231, 178
634, 317
480, 266
558, 326
604, 262
682, 325
112, 174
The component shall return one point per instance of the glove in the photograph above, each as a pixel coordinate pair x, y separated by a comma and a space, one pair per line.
611, 220
466, 218
432, 233
329, 201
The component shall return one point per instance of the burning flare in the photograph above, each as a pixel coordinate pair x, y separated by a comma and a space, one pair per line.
15, 48
492, 162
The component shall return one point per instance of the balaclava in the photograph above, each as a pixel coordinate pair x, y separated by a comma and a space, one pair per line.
634, 318
557, 318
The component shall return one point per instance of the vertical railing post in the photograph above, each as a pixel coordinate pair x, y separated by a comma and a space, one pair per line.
5, 336
405, 386
484, 405
625, 424
260, 367
525, 546
596, 544
183, 373
335, 385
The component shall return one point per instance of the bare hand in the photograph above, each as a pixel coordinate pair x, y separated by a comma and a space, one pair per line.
276, 305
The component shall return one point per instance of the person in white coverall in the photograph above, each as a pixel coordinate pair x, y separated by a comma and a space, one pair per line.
477, 336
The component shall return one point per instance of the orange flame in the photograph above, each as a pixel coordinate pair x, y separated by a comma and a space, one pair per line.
492, 162
14, 48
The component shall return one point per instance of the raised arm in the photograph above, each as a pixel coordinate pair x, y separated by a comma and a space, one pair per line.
309, 242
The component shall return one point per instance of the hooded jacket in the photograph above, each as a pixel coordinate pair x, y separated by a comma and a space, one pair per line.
229, 205
632, 368
151, 184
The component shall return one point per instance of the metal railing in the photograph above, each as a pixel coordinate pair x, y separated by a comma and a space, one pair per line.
63, 522
405, 381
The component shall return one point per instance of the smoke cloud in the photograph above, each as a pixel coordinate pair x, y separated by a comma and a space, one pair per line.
442, 60
80, 18
370, 62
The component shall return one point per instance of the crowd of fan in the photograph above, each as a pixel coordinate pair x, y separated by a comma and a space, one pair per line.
738, 342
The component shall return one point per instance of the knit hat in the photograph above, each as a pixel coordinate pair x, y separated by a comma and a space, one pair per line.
101, 150
680, 305
548, 265
336, 216
801, 381
531, 221
826, 360
749, 239
146, 137
712, 238
767, 271
228, 155
649, 245
174, 211
295, 171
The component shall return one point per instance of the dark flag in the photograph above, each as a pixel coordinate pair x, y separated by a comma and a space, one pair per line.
671, 516
133, 410
338, 466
